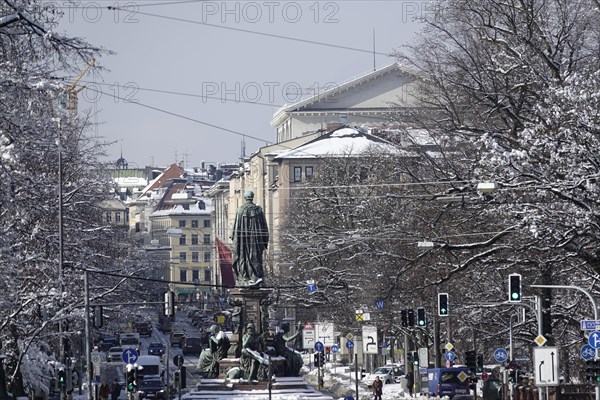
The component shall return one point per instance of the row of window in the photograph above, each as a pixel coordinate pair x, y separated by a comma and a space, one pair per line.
195, 223
109, 216
195, 256
195, 242
308, 174
183, 275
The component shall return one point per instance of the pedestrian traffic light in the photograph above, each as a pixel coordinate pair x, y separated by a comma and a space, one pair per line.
442, 304
170, 303
131, 383
479, 363
404, 318
62, 378
514, 288
590, 370
421, 321
319, 359
183, 377
471, 360
411, 317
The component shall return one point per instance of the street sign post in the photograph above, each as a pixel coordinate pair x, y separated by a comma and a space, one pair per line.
500, 355
308, 338
370, 344
129, 356
594, 340
319, 346
590, 325
349, 344
546, 366
587, 352
324, 333
450, 355
335, 348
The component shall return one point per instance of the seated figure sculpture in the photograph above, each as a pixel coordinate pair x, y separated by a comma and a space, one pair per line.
293, 359
218, 345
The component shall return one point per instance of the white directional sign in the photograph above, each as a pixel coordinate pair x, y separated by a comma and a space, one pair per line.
545, 366
308, 338
369, 335
324, 333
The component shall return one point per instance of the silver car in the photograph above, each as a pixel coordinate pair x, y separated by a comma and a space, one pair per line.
387, 374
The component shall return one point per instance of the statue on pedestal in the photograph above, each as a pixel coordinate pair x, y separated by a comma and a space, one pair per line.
218, 345
250, 238
293, 359
252, 358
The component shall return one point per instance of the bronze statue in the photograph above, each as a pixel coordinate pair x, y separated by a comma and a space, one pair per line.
218, 345
252, 357
293, 359
250, 238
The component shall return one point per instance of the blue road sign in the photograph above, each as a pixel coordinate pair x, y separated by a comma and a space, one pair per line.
594, 340
450, 355
587, 352
500, 355
589, 324
319, 346
130, 356
335, 348
379, 304
311, 287
349, 344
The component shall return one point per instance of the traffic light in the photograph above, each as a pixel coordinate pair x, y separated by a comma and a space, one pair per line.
443, 304
514, 288
415, 358
131, 381
404, 318
170, 303
319, 359
97, 314
411, 317
479, 363
471, 360
421, 321
590, 370
62, 378
182, 377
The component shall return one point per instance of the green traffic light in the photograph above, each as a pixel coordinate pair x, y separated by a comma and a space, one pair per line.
515, 295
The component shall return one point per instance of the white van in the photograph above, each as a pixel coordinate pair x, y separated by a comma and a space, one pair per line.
151, 365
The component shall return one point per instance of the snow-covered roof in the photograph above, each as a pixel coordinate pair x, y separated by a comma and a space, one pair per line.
340, 142
282, 111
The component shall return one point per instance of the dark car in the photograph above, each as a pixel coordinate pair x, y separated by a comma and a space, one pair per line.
191, 345
151, 388
156, 349
107, 342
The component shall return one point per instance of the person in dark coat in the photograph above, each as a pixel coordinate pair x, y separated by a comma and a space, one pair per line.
115, 390
410, 381
250, 238
377, 388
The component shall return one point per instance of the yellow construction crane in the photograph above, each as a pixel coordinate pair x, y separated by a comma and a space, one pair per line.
69, 101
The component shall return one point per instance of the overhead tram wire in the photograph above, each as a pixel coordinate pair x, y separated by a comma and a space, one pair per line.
272, 35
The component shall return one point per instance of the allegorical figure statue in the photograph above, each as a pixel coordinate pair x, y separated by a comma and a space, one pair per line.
218, 345
252, 357
250, 238
293, 359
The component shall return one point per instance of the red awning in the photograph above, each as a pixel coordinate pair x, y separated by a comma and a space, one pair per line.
225, 258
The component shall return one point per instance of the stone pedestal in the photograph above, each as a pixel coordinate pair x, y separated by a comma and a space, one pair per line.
250, 306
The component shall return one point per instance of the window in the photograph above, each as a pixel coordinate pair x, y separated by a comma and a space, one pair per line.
182, 239
308, 172
207, 223
182, 256
182, 275
207, 238
182, 223
194, 223
108, 217
137, 226
195, 256
207, 275
297, 174
194, 240
118, 217
207, 256
195, 275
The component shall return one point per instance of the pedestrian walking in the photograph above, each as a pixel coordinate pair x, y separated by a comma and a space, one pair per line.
410, 382
103, 391
115, 390
377, 388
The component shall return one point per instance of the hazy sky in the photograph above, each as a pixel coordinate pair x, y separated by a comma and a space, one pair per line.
193, 67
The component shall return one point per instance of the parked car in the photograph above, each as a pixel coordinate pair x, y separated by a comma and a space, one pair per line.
151, 388
191, 345
115, 353
387, 374
156, 349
